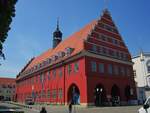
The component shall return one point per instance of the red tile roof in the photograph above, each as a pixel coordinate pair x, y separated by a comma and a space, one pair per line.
74, 41
7, 80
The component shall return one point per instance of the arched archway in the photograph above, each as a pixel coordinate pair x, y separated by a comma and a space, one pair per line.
100, 95
115, 94
73, 94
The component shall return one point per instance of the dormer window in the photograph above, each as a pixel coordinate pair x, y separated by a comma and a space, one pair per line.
54, 57
49, 60
32, 69
35, 67
69, 51
38, 66
61, 54
44, 63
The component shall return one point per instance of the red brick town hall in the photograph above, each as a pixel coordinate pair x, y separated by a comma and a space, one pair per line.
91, 67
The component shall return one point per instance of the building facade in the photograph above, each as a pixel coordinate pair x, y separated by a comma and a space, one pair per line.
142, 75
91, 67
7, 89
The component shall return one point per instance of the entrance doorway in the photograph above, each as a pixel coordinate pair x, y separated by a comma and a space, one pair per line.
74, 94
115, 94
100, 95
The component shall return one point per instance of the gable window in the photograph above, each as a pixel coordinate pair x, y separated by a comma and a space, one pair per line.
111, 52
76, 67
117, 54
101, 67
100, 49
104, 38
105, 51
110, 69
121, 55
114, 41
94, 48
93, 66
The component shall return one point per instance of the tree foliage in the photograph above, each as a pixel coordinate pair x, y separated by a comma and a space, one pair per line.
7, 12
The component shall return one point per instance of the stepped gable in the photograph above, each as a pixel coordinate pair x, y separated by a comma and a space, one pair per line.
75, 41
107, 34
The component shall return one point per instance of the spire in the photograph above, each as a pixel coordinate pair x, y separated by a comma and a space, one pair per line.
57, 35
57, 24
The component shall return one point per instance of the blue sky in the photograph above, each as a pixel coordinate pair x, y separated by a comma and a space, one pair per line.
31, 29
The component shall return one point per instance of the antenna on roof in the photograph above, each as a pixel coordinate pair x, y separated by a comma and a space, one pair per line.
106, 4
57, 22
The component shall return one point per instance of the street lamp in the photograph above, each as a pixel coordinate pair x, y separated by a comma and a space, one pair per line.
101, 90
97, 89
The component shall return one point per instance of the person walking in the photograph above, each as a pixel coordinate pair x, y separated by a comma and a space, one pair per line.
70, 107
43, 110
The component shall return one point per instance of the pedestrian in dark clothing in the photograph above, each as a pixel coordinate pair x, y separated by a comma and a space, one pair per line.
43, 110
70, 107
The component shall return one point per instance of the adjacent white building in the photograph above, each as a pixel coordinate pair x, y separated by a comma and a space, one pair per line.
142, 75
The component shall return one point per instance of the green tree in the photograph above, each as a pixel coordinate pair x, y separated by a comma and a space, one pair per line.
7, 12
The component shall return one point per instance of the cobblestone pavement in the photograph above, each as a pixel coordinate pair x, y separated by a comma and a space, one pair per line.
62, 109
78, 109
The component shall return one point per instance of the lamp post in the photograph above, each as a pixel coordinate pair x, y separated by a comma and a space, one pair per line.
101, 90
98, 95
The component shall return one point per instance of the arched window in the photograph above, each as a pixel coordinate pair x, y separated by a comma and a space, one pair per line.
148, 66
